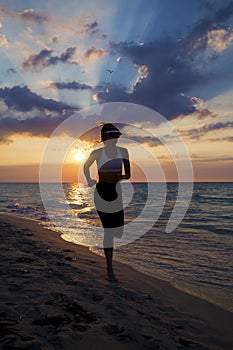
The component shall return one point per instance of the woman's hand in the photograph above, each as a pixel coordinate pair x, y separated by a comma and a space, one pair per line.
124, 177
91, 182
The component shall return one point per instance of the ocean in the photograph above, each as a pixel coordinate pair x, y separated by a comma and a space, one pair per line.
196, 257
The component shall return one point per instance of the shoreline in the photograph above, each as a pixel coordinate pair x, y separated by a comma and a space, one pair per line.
183, 286
55, 295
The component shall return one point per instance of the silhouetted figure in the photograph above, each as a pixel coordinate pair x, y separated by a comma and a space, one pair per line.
110, 71
107, 197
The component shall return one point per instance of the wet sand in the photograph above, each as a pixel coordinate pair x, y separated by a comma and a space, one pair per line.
55, 295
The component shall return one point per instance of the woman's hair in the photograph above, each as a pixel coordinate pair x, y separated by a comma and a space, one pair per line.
109, 129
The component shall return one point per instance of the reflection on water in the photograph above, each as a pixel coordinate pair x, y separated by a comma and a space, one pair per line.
77, 195
80, 200
143, 204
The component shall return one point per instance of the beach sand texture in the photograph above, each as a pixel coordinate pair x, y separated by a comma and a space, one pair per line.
55, 295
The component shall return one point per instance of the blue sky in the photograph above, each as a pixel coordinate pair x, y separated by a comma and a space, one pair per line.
172, 56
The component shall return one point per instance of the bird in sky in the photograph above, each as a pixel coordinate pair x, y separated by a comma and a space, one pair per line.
110, 71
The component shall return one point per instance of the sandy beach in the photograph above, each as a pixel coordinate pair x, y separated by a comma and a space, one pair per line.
55, 295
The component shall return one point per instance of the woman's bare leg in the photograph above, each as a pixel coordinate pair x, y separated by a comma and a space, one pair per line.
108, 255
108, 243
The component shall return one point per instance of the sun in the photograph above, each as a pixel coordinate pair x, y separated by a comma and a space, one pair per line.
79, 155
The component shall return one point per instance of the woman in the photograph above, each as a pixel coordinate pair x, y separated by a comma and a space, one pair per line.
107, 198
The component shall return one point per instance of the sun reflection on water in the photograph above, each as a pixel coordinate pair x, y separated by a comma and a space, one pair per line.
80, 200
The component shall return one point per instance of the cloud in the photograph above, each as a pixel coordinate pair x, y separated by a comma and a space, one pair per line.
201, 111
29, 15
55, 40
74, 85
67, 55
228, 139
168, 75
216, 126
149, 141
111, 92
196, 133
3, 40
202, 159
168, 67
11, 70
37, 126
6, 13
93, 53
223, 14
219, 39
23, 99
200, 36
44, 59
44, 125
129, 133
216, 40
37, 61
91, 28
141, 69
221, 139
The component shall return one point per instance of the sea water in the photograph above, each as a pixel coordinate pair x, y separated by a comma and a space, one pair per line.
196, 257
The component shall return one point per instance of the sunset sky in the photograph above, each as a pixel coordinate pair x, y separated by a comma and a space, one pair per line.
174, 57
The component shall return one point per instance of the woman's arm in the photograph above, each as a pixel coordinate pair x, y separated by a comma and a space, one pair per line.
126, 163
86, 168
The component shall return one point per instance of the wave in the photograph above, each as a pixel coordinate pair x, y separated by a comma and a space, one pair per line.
28, 211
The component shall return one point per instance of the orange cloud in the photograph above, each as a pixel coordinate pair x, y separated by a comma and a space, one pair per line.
141, 69
219, 39
93, 53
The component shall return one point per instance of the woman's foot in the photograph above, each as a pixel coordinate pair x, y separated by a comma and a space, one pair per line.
111, 277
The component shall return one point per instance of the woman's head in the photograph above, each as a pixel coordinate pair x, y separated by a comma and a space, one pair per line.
109, 131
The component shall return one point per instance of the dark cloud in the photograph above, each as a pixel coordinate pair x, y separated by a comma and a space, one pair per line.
44, 59
197, 39
93, 30
139, 135
150, 141
11, 70
30, 15
115, 93
204, 113
74, 85
37, 126
55, 40
37, 61
23, 99
67, 55
168, 77
130, 133
216, 126
213, 159
171, 73
223, 14
45, 125
228, 139
221, 139
196, 133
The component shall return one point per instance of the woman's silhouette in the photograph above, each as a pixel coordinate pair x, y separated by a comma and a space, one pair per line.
107, 197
